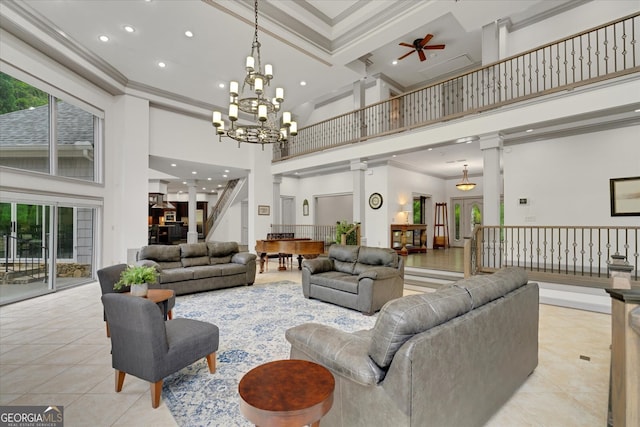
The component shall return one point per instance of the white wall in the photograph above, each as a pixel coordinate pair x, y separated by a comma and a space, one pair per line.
589, 15
181, 137
566, 180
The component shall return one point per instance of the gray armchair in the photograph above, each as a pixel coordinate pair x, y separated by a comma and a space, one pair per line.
108, 277
145, 346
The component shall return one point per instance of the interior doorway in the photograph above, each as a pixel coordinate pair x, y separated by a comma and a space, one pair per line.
288, 210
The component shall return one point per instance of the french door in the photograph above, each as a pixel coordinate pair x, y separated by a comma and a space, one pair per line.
44, 247
467, 213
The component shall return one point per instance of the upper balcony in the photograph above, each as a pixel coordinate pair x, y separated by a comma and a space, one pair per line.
595, 55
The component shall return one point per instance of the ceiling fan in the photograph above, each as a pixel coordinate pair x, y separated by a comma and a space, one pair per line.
419, 45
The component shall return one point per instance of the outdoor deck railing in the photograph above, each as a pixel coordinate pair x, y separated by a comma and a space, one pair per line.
605, 52
579, 255
23, 258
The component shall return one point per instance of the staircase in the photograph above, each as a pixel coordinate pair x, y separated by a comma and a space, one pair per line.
225, 200
428, 280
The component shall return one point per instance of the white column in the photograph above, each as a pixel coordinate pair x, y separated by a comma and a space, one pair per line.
491, 146
358, 167
277, 215
192, 233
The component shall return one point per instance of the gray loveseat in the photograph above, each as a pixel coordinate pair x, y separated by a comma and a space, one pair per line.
447, 358
196, 267
359, 277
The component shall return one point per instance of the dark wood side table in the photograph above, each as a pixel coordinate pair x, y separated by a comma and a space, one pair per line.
159, 296
286, 393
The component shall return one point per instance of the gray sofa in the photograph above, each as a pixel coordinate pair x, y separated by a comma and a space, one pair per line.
447, 358
362, 278
196, 267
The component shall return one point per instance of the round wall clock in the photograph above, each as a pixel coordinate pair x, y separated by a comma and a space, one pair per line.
375, 200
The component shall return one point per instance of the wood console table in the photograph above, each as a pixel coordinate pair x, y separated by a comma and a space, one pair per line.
404, 229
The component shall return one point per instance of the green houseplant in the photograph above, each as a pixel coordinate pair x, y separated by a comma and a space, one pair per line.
138, 277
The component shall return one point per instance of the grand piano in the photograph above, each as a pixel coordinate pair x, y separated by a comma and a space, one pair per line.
300, 246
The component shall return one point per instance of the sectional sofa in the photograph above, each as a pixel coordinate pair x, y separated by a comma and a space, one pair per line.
448, 358
196, 267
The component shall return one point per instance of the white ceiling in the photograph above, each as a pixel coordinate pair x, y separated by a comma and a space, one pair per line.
322, 42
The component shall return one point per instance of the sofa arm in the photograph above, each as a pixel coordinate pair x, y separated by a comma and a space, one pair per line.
243, 258
318, 265
379, 273
341, 352
150, 263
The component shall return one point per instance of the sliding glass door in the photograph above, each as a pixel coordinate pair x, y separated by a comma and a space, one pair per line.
44, 247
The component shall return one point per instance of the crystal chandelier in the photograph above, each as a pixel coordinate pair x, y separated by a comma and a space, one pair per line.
465, 185
269, 128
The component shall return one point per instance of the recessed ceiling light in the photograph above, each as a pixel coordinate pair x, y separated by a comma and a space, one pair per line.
129, 29
204, 188
103, 38
303, 83
224, 176
219, 185
161, 64
173, 165
221, 85
226, 171
429, 149
194, 173
208, 179
637, 111
184, 182
188, 33
395, 62
529, 130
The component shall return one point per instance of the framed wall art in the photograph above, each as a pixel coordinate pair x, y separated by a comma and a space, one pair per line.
625, 196
264, 210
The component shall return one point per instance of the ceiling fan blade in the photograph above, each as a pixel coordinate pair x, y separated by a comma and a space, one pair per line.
406, 45
406, 54
434, 46
426, 39
422, 55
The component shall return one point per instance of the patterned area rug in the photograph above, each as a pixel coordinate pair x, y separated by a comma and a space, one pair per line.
252, 322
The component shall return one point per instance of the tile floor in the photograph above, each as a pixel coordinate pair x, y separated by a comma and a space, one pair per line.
54, 351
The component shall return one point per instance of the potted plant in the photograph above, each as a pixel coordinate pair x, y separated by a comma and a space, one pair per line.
137, 277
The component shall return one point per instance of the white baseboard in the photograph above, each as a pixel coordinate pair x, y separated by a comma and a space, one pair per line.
578, 297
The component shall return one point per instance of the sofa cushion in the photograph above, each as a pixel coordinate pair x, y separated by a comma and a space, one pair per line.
189, 250
195, 261
402, 318
231, 269
176, 275
336, 280
160, 253
205, 271
368, 256
484, 289
222, 249
344, 257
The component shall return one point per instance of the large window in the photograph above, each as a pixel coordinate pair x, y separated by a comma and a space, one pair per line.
42, 133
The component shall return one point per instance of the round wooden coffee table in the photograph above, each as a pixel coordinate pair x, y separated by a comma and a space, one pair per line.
286, 393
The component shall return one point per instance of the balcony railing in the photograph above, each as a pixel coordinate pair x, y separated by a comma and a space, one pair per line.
574, 255
605, 52
326, 233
